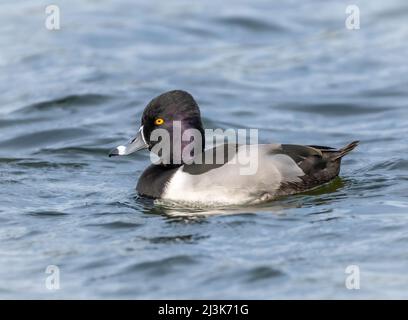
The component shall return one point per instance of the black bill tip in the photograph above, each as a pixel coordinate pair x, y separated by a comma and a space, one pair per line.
113, 152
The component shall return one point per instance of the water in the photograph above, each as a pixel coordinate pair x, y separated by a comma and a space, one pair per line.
290, 69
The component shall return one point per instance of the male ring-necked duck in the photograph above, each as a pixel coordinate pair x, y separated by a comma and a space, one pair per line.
281, 169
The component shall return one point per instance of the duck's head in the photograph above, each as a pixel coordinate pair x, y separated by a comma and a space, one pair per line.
177, 113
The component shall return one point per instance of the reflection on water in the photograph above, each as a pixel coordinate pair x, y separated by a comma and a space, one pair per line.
289, 69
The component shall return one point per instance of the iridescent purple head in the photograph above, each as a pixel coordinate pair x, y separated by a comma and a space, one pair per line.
177, 113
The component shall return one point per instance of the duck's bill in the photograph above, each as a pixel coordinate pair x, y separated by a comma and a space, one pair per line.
136, 144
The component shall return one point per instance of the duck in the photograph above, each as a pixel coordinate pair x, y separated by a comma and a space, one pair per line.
220, 174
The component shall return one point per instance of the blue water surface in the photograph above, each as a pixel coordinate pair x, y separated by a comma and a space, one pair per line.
288, 68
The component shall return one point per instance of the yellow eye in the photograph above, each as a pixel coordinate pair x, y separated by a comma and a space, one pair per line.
158, 121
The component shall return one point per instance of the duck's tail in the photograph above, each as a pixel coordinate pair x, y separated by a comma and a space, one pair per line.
343, 151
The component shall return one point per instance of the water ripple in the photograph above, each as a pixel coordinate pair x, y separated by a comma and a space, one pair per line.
163, 266
45, 137
70, 101
262, 273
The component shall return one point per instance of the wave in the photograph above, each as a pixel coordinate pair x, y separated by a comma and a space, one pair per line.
68, 101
